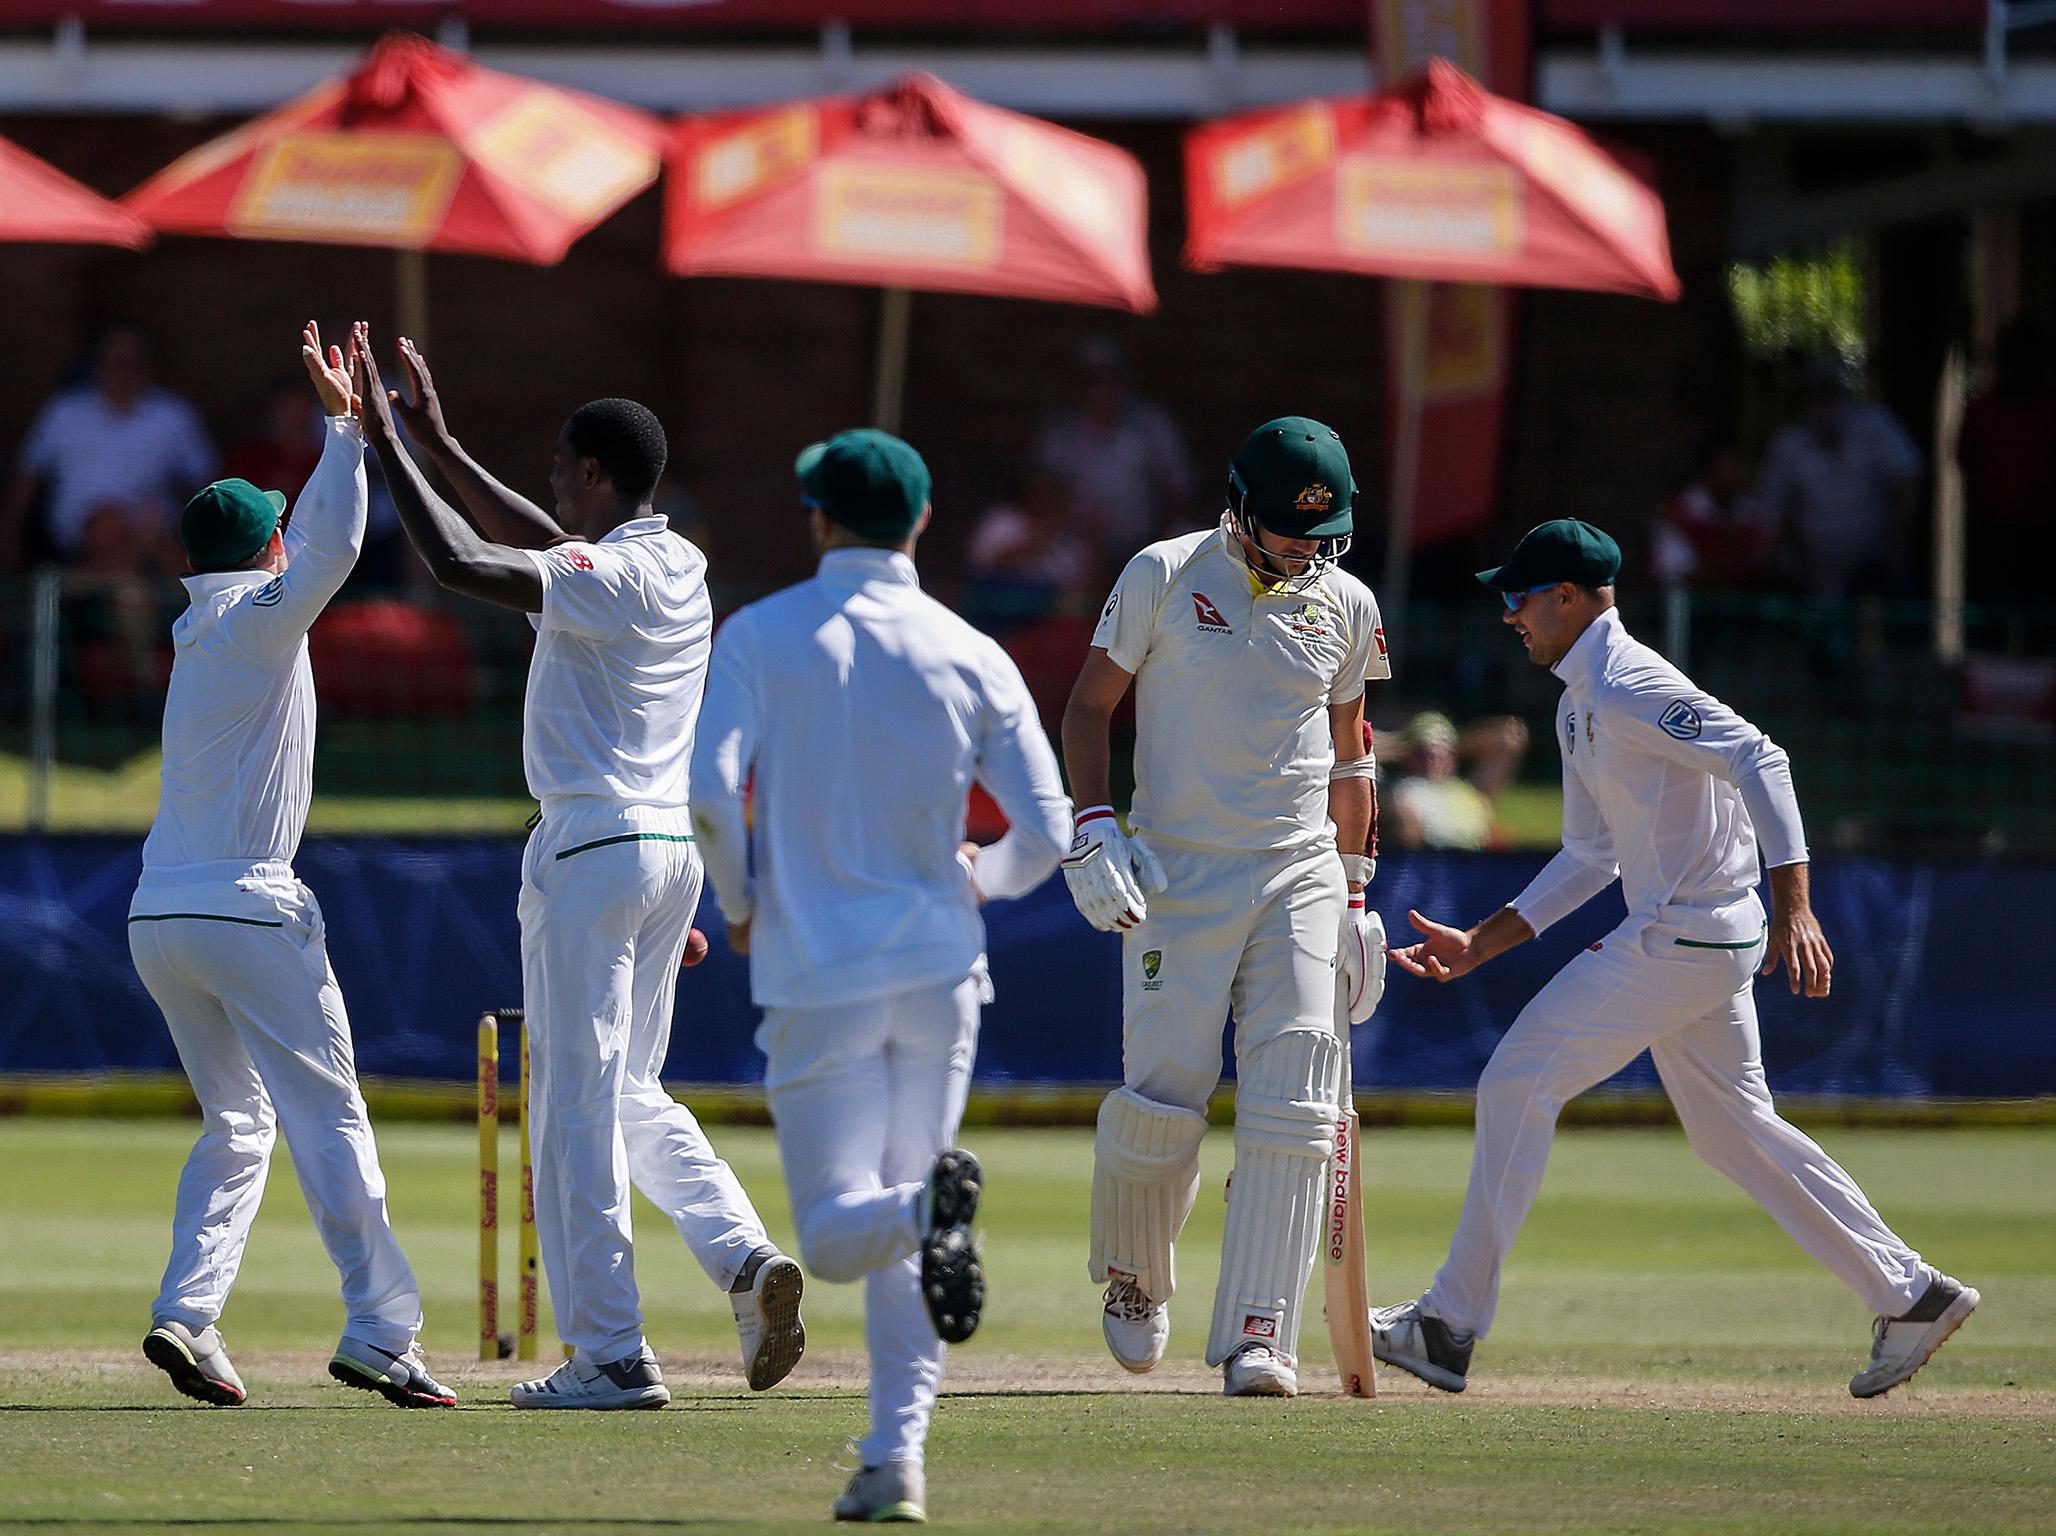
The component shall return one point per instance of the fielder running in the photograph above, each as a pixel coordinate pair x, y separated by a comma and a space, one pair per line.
609, 879
866, 711
1671, 792
1249, 649
231, 944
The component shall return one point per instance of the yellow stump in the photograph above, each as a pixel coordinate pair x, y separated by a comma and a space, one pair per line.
525, 1338
489, 1184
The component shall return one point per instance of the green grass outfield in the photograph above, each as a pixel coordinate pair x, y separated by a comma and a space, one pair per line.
1665, 1361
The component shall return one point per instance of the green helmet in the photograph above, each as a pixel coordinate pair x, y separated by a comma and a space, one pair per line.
1292, 478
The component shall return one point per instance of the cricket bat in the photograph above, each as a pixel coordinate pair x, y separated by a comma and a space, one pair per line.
1348, 1294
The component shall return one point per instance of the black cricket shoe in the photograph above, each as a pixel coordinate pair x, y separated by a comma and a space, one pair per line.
952, 1279
400, 1379
1420, 1343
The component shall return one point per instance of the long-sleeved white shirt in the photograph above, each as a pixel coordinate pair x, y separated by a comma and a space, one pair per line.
1665, 787
238, 768
865, 710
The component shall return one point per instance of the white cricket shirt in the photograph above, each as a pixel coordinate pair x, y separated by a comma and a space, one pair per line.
1232, 688
1666, 787
620, 663
239, 715
866, 710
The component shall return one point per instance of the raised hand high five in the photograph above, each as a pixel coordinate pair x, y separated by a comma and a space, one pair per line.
331, 374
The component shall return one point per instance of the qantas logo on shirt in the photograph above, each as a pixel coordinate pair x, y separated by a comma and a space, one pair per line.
1210, 620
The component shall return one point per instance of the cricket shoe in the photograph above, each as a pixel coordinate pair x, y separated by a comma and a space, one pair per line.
1901, 1345
1257, 1370
767, 1317
952, 1279
637, 1382
1421, 1344
896, 1492
197, 1364
401, 1379
1135, 1327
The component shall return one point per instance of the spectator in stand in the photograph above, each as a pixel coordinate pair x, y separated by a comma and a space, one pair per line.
1711, 534
1025, 562
1436, 805
1838, 487
114, 461
1130, 480
2007, 449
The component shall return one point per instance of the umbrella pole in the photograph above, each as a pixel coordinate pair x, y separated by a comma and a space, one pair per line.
889, 386
410, 296
1411, 305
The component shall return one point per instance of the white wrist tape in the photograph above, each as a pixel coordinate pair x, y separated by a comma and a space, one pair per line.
1359, 868
1365, 767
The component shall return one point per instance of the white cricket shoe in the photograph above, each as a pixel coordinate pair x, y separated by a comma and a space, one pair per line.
197, 1364
401, 1379
894, 1493
1901, 1345
1421, 1344
636, 1382
1136, 1328
1257, 1370
767, 1320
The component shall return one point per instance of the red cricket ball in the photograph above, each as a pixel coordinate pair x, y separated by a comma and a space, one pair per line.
695, 948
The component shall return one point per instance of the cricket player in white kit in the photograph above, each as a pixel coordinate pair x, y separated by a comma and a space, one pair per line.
1249, 650
610, 877
231, 944
866, 711
1675, 795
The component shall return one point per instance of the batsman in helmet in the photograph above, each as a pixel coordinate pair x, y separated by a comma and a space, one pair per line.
1248, 647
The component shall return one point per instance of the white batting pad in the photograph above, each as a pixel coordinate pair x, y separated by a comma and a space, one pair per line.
1145, 1175
1285, 1112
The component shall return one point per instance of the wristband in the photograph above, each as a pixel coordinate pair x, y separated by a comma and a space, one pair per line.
1095, 813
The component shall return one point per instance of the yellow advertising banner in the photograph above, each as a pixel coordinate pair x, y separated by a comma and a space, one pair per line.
1411, 207
760, 154
388, 189
935, 218
1296, 145
563, 156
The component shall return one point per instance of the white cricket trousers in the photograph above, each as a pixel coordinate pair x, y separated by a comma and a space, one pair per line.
240, 968
1693, 1008
607, 898
865, 1095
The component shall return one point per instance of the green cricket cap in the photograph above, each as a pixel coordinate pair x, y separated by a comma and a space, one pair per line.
869, 481
1563, 550
1293, 476
227, 522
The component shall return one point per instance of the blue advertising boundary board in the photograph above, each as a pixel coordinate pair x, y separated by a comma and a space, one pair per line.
422, 935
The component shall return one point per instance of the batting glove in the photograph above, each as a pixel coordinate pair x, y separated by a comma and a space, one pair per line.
1363, 958
1101, 871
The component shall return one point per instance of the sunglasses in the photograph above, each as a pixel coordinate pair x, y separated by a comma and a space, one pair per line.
1515, 599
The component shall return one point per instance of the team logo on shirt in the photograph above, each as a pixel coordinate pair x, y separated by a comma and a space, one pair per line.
1570, 732
271, 594
1210, 620
1315, 498
1152, 962
1681, 720
1309, 619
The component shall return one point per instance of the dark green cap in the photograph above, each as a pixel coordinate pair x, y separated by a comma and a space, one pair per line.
1565, 550
868, 481
227, 522
1293, 477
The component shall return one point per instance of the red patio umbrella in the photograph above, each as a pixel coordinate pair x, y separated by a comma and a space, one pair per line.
417, 149
1434, 179
40, 204
915, 186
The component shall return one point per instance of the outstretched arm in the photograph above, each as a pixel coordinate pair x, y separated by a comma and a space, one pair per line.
455, 554
496, 512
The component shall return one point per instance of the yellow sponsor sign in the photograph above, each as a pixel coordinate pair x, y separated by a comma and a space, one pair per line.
1427, 208
757, 155
386, 188
1281, 152
937, 218
1464, 335
562, 156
